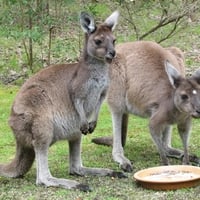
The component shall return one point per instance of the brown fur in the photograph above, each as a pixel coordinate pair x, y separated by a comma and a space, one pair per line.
141, 84
62, 102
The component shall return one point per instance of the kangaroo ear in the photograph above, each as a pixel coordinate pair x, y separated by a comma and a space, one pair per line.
196, 76
112, 20
173, 74
87, 22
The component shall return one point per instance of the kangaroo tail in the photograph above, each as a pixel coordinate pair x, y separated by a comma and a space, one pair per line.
108, 140
20, 164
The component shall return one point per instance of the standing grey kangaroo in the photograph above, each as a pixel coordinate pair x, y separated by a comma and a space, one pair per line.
148, 80
62, 102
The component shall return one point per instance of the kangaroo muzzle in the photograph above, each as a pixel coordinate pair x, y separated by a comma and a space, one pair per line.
196, 114
110, 55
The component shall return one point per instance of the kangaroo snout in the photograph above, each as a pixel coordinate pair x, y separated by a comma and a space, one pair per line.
110, 55
196, 114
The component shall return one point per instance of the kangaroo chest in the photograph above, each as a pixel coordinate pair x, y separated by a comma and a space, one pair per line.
95, 87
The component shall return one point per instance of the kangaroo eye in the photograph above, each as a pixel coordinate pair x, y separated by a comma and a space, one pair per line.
184, 97
98, 42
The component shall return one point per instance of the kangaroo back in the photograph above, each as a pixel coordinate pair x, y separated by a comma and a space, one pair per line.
149, 81
146, 80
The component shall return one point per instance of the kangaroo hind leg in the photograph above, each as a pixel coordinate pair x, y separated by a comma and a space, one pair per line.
77, 168
43, 139
119, 139
166, 139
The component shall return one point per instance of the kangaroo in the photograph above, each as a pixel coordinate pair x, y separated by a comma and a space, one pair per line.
149, 81
62, 102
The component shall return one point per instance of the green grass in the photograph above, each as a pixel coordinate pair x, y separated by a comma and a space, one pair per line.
67, 37
139, 149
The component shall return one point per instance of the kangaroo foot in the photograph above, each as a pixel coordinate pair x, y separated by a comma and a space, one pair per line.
116, 174
64, 183
126, 167
83, 188
194, 159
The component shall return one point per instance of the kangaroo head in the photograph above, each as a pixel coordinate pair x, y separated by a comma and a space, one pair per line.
187, 90
99, 39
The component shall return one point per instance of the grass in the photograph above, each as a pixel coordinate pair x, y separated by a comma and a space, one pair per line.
139, 149
67, 39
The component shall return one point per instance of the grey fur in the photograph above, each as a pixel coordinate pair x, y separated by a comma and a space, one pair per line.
60, 103
148, 80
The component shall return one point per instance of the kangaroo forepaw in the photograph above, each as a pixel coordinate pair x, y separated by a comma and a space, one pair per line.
84, 128
92, 126
118, 175
88, 127
83, 188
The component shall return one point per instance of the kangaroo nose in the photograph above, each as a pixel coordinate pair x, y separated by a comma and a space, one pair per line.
112, 53
196, 114
109, 56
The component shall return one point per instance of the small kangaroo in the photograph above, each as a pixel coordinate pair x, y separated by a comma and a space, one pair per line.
148, 80
62, 102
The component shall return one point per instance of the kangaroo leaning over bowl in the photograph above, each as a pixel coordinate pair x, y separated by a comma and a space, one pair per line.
149, 81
